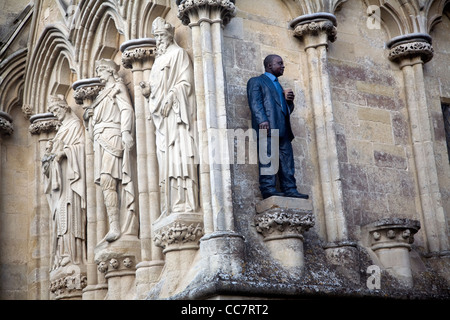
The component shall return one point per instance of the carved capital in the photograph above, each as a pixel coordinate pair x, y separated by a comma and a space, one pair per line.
179, 235
315, 24
283, 222
86, 89
123, 263
411, 46
68, 282
6, 126
138, 50
44, 122
226, 9
393, 232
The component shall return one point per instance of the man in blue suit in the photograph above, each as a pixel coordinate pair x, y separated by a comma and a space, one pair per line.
271, 109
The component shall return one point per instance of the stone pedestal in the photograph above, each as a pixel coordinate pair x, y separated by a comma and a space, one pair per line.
67, 283
391, 240
282, 222
117, 260
178, 234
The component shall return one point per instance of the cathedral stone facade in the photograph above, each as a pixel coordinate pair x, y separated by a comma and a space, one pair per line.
129, 166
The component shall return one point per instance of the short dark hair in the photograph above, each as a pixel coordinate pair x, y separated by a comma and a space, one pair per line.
268, 60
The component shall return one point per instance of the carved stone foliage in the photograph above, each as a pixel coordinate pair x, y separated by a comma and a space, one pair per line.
117, 264
6, 126
68, 285
138, 50
87, 89
226, 7
42, 123
278, 221
178, 233
410, 46
314, 24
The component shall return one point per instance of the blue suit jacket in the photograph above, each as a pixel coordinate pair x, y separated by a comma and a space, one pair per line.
265, 105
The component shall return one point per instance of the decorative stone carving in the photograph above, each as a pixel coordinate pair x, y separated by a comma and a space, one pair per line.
179, 234
282, 222
67, 283
411, 45
227, 9
138, 50
315, 24
63, 166
45, 122
173, 108
391, 240
112, 117
6, 126
87, 89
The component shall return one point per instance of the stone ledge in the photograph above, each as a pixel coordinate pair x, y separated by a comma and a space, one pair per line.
284, 203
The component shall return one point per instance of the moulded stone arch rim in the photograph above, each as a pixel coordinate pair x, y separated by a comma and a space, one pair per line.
12, 71
52, 42
149, 14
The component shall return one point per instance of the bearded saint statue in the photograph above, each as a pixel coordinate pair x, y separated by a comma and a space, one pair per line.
173, 108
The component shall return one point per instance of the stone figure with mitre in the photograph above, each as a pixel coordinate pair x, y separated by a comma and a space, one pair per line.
63, 166
173, 108
113, 126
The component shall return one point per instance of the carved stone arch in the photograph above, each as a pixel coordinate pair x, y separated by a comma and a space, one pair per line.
315, 6
51, 46
150, 11
434, 10
390, 17
90, 33
12, 71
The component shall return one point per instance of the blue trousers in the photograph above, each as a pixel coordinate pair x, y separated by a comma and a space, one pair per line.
282, 156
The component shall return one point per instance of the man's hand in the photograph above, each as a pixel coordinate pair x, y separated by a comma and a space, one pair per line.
264, 125
127, 139
289, 95
167, 105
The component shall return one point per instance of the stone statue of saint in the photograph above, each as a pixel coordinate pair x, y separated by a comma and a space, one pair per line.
63, 166
173, 109
113, 126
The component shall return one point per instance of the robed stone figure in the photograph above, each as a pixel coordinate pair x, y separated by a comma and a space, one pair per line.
112, 125
65, 186
173, 109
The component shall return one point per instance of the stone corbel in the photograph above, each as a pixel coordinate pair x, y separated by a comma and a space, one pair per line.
86, 90
137, 51
186, 8
390, 239
410, 46
320, 25
43, 123
282, 223
6, 124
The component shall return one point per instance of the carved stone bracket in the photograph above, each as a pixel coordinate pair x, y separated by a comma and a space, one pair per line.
282, 222
391, 240
44, 122
227, 9
182, 233
315, 24
137, 50
6, 126
86, 89
410, 46
68, 282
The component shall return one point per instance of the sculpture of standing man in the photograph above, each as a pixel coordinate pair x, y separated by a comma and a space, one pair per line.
63, 166
173, 109
271, 108
113, 124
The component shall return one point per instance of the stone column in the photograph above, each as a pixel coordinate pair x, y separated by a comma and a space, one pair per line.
43, 127
85, 92
138, 55
391, 241
282, 222
221, 246
411, 52
316, 31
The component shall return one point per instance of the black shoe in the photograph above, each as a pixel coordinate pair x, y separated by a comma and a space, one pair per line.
266, 195
296, 194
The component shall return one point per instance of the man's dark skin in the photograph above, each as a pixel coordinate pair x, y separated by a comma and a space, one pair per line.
271, 109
